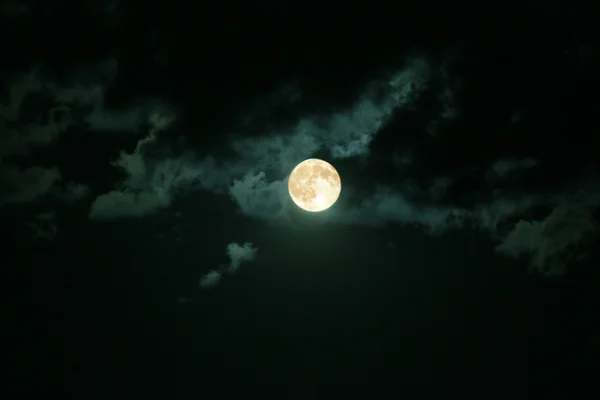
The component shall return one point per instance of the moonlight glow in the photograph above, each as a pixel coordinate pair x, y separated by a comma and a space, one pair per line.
314, 185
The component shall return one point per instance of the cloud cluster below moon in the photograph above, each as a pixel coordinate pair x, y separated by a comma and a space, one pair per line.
237, 254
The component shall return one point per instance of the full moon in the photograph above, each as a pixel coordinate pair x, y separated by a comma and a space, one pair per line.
314, 185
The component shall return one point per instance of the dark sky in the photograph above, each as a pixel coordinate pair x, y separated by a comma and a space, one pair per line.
155, 252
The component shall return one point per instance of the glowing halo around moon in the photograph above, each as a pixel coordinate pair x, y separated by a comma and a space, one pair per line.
314, 185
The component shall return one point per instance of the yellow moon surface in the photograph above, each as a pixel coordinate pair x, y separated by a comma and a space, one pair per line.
314, 185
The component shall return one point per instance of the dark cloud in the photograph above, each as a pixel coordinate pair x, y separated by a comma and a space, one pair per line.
72, 192
102, 118
26, 185
552, 241
15, 8
150, 185
29, 126
502, 168
210, 279
43, 226
117, 204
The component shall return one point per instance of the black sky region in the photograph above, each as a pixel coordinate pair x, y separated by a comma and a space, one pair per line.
152, 250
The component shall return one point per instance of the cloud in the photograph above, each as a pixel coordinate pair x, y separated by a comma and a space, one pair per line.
278, 152
73, 192
21, 86
104, 119
255, 177
21, 135
255, 174
343, 134
237, 254
261, 191
26, 185
15, 8
504, 167
138, 196
446, 101
550, 240
16, 137
87, 90
150, 185
211, 279
117, 204
43, 226
350, 132
391, 206
19, 141
550, 243
256, 197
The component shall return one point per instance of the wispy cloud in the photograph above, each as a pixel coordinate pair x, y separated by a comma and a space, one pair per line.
553, 241
237, 254
22, 136
149, 186
343, 134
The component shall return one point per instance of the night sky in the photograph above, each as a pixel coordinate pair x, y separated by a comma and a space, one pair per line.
152, 249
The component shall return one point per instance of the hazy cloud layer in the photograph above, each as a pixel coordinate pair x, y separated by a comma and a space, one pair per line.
255, 174
237, 254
